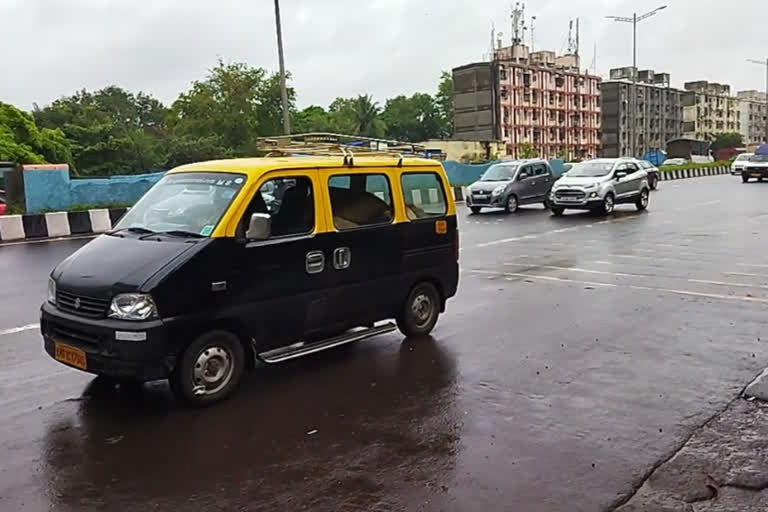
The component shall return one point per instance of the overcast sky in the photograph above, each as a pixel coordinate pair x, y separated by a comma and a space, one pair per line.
52, 48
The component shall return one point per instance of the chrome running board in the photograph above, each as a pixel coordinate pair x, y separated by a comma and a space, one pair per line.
281, 354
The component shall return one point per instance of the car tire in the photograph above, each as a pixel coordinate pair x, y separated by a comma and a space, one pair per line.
744, 178
557, 211
420, 311
511, 204
190, 380
642, 200
653, 182
608, 205
760, 179
475, 209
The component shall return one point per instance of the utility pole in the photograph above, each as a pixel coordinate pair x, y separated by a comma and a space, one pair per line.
765, 119
283, 86
634, 20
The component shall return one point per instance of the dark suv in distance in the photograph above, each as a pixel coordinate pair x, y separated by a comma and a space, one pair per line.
653, 173
511, 184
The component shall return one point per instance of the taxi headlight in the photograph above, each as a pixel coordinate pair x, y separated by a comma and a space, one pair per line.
133, 306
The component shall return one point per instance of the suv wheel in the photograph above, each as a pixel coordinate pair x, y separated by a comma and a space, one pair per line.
744, 177
608, 204
511, 205
557, 211
653, 182
475, 209
642, 201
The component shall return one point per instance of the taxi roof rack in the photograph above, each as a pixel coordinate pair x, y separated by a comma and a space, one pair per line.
347, 146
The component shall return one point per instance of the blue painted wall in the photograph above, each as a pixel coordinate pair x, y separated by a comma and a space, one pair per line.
47, 190
460, 174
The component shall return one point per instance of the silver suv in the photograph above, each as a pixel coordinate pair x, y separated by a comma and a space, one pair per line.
599, 185
511, 184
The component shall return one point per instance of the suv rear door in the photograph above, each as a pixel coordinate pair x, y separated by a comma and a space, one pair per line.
630, 184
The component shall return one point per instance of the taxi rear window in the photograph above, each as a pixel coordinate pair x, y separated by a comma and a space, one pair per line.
423, 195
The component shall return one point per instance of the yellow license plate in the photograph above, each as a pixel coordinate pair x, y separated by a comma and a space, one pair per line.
71, 356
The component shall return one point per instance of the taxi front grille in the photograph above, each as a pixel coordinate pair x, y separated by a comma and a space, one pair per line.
81, 305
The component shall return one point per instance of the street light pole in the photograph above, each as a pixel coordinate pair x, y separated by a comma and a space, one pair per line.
766, 93
634, 20
283, 86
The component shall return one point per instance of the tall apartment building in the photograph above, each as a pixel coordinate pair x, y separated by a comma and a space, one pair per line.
659, 112
529, 97
709, 110
752, 106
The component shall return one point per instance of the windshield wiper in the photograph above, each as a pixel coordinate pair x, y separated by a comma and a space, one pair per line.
174, 232
133, 229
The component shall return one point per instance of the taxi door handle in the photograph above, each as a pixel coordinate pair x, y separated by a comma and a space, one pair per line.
342, 258
315, 262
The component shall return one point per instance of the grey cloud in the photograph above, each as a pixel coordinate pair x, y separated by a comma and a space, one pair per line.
345, 47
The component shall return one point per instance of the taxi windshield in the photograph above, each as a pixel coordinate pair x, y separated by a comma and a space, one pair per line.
590, 169
188, 203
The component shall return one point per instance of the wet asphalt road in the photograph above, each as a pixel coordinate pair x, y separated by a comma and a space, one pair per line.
579, 353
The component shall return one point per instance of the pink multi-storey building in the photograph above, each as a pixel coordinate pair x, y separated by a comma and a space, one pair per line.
536, 98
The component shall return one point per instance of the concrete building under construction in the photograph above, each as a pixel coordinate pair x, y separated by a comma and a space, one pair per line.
529, 97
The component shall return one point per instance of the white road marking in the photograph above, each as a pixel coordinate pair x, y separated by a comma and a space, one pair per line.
542, 278
546, 233
576, 269
688, 293
46, 240
721, 283
14, 330
752, 265
745, 274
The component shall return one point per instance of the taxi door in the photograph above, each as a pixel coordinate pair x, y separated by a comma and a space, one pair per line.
364, 243
283, 281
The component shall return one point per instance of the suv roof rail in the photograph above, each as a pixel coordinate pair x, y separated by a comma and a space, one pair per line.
336, 144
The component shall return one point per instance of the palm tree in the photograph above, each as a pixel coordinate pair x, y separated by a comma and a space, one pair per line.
366, 115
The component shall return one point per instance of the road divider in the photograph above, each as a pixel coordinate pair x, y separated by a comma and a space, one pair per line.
679, 174
52, 225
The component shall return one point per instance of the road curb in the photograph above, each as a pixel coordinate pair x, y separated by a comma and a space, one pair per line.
56, 225
681, 174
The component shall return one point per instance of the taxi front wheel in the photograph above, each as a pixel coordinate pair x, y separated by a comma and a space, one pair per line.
209, 369
420, 311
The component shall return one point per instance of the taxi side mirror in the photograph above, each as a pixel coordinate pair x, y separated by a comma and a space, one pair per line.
259, 227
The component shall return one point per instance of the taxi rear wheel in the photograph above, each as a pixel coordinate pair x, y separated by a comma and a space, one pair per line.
209, 369
420, 311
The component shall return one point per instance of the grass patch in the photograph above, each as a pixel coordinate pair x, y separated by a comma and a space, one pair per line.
694, 165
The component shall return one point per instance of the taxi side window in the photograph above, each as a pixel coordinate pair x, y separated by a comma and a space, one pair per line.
359, 200
423, 195
290, 204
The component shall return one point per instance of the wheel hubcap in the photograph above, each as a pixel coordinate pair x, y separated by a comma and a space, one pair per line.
212, 371
512, 203
609, 204
644, 198
422, 309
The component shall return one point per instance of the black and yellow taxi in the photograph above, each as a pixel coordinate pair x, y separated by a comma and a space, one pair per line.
225, 263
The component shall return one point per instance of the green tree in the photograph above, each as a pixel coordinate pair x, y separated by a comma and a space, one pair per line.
444, 101
23, 142
413, 119
312, 119
727, 140
367, 122
233, 106
113, 131
527, 150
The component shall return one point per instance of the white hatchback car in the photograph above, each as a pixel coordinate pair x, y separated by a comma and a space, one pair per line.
740, 162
